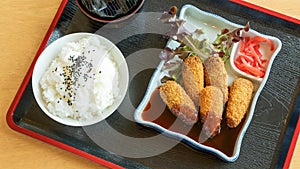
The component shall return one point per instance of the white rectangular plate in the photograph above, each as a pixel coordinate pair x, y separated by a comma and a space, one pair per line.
211, 24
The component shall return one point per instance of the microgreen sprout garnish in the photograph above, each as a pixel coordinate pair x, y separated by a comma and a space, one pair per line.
225, 40
195, 43
191, 43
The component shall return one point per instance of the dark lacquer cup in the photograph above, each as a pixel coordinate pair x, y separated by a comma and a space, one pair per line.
109, 10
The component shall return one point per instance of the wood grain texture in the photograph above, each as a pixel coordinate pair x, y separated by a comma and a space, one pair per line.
23, 25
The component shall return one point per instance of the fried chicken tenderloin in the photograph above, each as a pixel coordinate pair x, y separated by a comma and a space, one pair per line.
211, 110
179, 103
193, 77
240, 94
215, 75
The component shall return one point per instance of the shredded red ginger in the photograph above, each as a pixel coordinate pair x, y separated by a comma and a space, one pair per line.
250, 59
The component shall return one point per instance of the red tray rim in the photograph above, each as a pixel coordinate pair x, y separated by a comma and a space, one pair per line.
292, 147
12, 125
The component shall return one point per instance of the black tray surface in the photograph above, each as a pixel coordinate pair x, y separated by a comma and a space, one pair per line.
267, 139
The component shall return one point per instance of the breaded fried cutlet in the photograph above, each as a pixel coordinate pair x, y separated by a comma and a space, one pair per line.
179, 103
193, 77
215, 75
211, 109
240, 94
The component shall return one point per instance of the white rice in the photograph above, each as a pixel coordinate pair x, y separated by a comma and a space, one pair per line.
82, 81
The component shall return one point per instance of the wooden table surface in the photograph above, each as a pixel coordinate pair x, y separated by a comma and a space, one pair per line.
23, 24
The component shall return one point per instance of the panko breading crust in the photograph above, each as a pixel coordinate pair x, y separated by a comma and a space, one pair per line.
239, 98
215, 75
193, 77
211, 109
180, 104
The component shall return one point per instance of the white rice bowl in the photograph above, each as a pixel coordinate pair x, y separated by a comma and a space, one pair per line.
80, 79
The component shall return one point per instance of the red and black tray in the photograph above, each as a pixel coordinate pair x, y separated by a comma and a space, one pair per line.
269, 141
